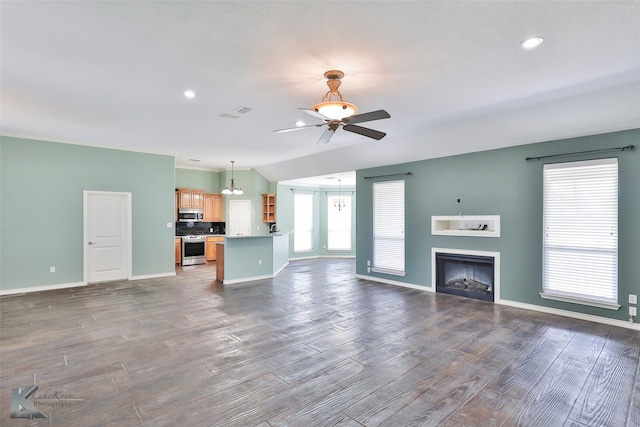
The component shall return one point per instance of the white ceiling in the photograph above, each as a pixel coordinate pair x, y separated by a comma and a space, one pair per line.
450, 73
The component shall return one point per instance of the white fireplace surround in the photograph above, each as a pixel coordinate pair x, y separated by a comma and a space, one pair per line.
496, 266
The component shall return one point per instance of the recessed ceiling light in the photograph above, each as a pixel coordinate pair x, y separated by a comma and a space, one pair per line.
531, 43
189, 94
300, 123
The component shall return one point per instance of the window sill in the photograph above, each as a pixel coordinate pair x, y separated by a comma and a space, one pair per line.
581, 301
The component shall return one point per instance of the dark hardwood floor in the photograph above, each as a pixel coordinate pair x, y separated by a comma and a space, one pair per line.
313, 347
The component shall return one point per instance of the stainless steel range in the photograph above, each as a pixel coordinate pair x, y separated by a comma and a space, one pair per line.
193, 250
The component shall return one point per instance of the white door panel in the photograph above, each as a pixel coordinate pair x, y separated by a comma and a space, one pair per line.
107, 236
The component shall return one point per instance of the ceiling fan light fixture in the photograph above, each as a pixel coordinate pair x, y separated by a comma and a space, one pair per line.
335, 110
330, 108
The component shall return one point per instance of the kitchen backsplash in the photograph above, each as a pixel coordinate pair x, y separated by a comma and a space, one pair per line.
197, 228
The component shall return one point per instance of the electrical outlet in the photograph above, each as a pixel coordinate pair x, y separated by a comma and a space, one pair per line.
169, 224
52, 269
633, 311
633, 299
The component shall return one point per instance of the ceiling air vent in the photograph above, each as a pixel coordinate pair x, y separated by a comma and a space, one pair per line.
242, 110
229, 116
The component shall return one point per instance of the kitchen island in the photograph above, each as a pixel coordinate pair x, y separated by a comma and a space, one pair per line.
248, 258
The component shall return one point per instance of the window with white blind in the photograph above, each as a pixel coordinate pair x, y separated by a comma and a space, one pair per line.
303, 222
338, 223
388, 227
580, 255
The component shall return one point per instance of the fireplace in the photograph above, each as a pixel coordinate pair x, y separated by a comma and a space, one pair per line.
470, 274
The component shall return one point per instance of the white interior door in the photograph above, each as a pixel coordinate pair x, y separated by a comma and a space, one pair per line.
107, 236
239, 218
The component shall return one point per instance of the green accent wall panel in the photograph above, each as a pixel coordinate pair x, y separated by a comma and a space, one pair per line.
207, 181
501, 182
41, 212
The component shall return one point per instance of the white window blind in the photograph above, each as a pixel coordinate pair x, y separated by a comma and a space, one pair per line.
338, 223
303, 222
388, 227
580, 256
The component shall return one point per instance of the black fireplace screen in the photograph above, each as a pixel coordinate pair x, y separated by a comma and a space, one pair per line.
465, 275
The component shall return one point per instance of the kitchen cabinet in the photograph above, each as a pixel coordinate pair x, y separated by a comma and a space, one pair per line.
190, 199
212, 207
178, 243
212, 242
268, 208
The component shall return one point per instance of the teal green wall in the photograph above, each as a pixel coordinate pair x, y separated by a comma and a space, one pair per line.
284, 203
41, 217
207, 181
501, 182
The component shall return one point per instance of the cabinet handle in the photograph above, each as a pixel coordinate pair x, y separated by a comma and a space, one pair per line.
91, 243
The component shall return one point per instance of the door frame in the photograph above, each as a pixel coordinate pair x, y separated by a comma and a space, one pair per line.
86, 195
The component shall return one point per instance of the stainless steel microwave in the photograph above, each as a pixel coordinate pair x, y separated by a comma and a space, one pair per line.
190, 215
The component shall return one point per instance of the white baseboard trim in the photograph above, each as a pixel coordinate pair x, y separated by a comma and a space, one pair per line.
246, 279
395, 282
254, 278
41, 288
321, 256
152, 276
533, 307
336, 256
280, 269
573, 314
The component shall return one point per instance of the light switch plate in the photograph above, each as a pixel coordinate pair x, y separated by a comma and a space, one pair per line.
633, 299
633, 311
169, 225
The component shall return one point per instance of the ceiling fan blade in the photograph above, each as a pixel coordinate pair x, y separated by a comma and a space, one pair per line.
326, 136
314, 113
298, 128
364, 131
366, 117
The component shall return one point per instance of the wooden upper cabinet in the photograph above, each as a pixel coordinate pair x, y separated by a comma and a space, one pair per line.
269, 208
212, 207
190, 199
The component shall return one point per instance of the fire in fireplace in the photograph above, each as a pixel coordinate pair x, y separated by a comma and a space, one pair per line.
465, 275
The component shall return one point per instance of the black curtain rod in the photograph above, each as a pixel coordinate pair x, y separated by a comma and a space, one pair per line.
387, 176
627, 147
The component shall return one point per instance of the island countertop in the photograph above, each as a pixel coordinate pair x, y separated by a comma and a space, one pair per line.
249, 236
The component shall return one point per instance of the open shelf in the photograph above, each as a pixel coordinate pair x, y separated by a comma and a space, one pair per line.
466, 225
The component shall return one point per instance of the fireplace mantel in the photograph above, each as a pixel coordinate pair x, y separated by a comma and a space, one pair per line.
466, 225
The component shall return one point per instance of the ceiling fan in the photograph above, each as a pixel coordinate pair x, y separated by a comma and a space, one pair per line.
338, 113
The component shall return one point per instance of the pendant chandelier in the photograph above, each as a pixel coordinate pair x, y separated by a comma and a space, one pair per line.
339, 203
232, 189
